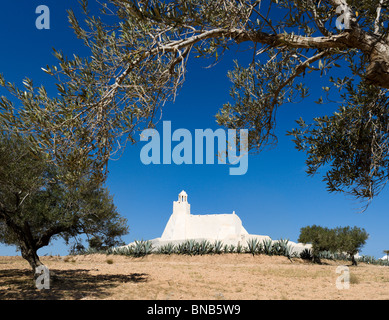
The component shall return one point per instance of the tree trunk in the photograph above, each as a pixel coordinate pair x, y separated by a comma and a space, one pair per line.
28, 245
377, 73
316, 259
29, 253
354, 262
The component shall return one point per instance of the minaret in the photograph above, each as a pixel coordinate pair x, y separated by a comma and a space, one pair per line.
183, 197
181, 206
177, 224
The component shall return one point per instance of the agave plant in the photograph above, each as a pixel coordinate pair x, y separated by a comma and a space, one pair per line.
201, 247
276, 248
187, 247
340, 256
141, 248
282, 248
127, 251
252, 245
205, 247
327, 255
89, 251
231, 248
306, 254
190, 246
138, 248
260, 248
166, 249
182, 248
239, 248
217, 247
110, 250
367, 259
195, 249
267, 246
148, 247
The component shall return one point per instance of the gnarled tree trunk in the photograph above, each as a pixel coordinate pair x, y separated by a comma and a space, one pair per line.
354, 262
30, 254
27, 243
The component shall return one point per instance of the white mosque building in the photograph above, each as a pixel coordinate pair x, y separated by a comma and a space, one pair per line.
227, 228
184, 225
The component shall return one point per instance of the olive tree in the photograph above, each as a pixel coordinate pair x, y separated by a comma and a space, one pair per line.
138, 56
337, 240
321, 239
350, 240
36, 207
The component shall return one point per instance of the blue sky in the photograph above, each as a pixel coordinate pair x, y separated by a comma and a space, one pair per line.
275, 197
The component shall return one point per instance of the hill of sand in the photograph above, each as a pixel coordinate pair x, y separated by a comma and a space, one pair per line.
213, 277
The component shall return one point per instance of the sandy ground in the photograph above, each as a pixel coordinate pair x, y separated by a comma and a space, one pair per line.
210, 277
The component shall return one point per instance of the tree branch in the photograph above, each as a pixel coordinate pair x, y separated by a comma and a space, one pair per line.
337, 3
299, 70
377, 19
319, 23
44, 239
293, 41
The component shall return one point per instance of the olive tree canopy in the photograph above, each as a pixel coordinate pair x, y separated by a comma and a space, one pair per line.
138, 56
36, 208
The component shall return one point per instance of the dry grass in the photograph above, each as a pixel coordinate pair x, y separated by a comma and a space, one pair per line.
214, 277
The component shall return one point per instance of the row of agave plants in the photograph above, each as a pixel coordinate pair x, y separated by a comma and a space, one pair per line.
193, 247
372, 260
307, 254
253, 246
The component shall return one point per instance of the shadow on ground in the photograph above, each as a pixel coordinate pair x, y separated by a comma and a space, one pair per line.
64, 284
